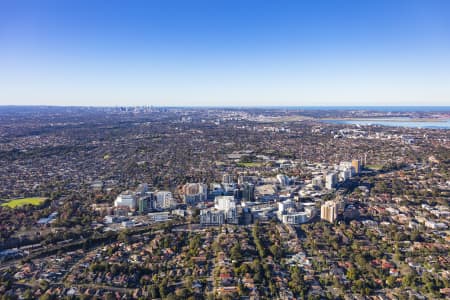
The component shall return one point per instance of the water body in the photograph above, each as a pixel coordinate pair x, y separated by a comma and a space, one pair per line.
445, 124
366, 108
383, 108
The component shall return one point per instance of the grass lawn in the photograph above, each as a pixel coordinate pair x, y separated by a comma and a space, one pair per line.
374, 167
250, 164
19, 202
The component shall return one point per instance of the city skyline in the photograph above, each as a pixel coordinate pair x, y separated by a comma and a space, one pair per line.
175, 53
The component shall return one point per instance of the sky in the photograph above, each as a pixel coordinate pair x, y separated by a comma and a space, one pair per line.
224, 52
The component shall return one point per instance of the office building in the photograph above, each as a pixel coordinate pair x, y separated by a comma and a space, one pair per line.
145, 203
295, 218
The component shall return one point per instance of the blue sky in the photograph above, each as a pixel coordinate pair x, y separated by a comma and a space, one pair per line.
224, 52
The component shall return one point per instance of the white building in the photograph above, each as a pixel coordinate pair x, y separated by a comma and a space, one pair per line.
285, 205
295, 218
224, 211
331, 180
317, 181
227, 179
288, 214
212, 217
164, 200
126, 199
159, 216
283, 180
224, 202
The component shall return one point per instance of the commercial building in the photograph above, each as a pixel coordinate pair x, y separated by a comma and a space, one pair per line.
159, 216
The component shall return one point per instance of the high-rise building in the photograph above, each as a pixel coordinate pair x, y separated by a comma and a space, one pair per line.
227, 179
227, 204
283, 180
248, 192
317, 181
195, 193
125, 199
145, 203
329, 211
224, 202
141, 189
331, 180
224, 211
164, 200
356, 164
211, 217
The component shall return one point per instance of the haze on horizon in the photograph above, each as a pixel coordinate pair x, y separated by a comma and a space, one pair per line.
225, 53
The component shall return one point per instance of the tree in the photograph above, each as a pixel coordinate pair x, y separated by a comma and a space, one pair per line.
276, 251
351, 274
163, 288
182, 293
297, 283
390, 281
235, 252
153, 291
123, 236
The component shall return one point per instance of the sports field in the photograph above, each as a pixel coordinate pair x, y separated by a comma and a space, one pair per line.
19, 202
